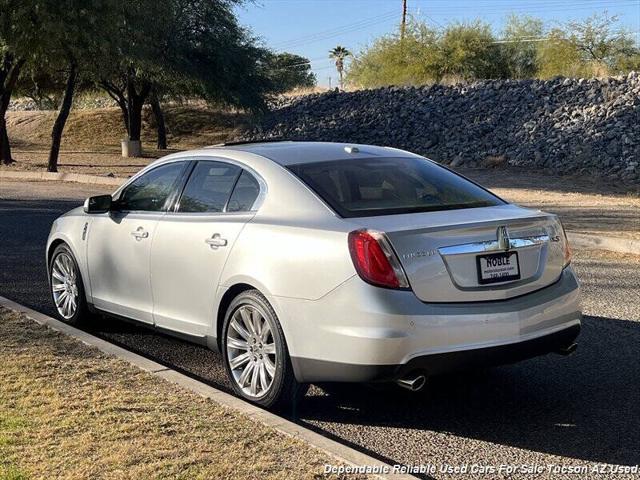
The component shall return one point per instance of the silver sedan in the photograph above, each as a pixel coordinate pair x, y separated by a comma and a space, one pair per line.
319, 262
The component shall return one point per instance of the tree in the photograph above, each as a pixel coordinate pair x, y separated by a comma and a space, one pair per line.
76, 32
469, 51
156, 108
339, 54
135, 54
593, 47
598, 41
559, 56
521, 37
194, 48
10, 66
43, 88
19, 37
288, 71
393, 60
424, 55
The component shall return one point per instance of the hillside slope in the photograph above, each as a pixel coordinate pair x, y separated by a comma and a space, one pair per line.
567, 125
91, 140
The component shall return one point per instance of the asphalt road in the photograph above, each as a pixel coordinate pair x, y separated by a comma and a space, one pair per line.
552, 410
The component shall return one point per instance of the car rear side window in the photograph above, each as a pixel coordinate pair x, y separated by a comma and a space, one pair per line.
209, 187
387, 186
244, 194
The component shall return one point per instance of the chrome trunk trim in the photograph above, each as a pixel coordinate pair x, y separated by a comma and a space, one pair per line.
494, 245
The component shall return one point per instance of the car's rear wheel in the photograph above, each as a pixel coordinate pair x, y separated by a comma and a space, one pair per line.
255, 353
67, 289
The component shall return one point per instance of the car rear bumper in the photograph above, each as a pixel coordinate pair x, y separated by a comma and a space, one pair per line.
439, 363
363, 333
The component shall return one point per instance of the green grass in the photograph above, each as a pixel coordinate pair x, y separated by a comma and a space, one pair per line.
11, 473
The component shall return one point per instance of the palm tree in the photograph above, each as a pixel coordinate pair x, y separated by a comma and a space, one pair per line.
339, 54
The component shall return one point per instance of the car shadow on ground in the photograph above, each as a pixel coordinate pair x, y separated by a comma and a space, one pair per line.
586, 406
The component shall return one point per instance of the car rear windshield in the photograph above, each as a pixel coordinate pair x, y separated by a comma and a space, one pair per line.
387, 186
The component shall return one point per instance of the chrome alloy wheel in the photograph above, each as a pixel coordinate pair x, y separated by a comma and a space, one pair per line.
64, 285
251, 351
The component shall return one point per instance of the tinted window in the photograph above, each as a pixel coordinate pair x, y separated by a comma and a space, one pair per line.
244, 194
209, 187
151, 191
386, 186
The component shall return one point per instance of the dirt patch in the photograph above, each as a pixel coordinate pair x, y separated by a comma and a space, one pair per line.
69, 411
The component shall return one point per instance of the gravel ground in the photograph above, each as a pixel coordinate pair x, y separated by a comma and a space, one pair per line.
586, 204
577, 411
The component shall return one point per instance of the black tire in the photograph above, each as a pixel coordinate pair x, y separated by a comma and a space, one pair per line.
82, 312
284, 391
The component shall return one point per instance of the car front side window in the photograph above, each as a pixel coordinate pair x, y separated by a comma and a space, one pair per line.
150, 192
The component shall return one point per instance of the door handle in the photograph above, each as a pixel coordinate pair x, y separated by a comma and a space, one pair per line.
140, 233
216, 241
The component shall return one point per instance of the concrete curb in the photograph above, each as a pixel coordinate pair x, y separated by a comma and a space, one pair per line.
332, 448
613, 244
64, 177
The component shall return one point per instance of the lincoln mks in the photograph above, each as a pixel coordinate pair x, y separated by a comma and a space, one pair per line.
311, 262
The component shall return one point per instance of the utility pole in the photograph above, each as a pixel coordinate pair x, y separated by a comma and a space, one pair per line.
329, 83
403, 24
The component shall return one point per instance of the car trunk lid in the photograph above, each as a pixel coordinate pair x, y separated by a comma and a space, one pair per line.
477, 254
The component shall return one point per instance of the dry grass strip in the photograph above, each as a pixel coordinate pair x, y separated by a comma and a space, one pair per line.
69, 411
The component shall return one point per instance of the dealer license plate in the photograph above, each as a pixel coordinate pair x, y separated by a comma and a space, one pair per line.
498, 267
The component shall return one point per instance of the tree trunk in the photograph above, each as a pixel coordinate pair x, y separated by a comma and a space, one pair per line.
125, 116
11, 72
135, 119
135, 102
159, 116
118, 96
61, 120
5, 146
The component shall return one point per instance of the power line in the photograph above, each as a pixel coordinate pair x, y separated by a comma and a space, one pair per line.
561, 6
326, 34
448, 5
434, 8
488, 8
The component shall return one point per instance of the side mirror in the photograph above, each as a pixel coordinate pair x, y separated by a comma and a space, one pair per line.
98, 204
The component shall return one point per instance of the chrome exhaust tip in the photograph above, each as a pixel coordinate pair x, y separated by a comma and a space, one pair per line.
568, 350
413, 384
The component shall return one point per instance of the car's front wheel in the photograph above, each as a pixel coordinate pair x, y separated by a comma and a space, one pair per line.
67, 289
255, 353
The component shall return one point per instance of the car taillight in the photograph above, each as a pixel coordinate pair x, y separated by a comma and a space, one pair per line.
375, 260
566, 248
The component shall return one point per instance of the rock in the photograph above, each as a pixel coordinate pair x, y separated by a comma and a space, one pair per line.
456, 162
494, 161
563, 124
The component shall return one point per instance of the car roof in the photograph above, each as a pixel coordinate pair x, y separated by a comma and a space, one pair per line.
291, 153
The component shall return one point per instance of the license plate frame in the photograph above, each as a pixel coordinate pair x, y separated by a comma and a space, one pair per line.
483, 279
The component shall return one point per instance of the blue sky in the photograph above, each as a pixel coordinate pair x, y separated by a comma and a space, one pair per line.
312, 27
